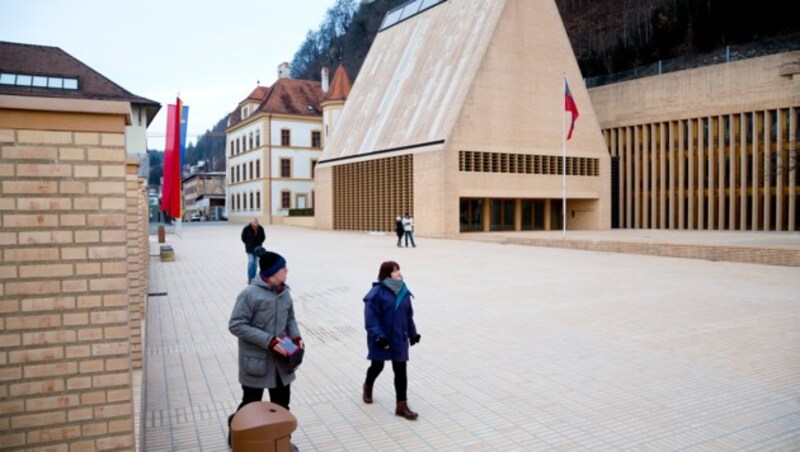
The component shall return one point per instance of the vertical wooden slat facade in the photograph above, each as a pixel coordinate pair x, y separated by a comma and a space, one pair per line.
736, 171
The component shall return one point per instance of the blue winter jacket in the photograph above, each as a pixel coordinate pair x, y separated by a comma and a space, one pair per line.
382, 320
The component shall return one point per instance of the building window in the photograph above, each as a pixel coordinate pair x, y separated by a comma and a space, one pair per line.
258, 169
316, 141
286, 168
238, 146
286, 199
252, 205
258, 200
251, 140
232, 147
313, 168
285, 137
251, 169
258, 138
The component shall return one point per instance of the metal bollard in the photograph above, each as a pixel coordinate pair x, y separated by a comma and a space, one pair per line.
261, 427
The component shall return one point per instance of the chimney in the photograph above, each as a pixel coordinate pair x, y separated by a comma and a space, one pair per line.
324, 79
283, 70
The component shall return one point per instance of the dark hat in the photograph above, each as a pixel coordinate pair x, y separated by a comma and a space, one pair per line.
269, 262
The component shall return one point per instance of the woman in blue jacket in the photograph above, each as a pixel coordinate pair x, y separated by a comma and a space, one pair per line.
389, 320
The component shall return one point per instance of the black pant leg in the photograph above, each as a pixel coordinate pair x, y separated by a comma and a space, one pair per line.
280, 395
372, 373
250, 395
400, 381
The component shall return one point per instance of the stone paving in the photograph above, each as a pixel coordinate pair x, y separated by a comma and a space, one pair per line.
523, 348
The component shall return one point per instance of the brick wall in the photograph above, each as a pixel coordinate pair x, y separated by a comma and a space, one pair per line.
65, 361
137, 257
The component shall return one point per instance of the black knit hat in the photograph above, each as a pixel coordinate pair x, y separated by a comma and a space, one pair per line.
268, 262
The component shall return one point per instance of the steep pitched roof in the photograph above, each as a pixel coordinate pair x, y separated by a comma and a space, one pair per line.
36, 60
258, 94
285, 97
340, 86
482, 74
293, 97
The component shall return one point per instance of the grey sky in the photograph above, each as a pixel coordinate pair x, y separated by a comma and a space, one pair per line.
211, 52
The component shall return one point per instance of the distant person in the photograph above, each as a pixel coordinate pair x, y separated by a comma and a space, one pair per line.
262, 316
253, 236
399, 230
408, 229
389, 321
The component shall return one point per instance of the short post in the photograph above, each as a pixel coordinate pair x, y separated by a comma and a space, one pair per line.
262, 427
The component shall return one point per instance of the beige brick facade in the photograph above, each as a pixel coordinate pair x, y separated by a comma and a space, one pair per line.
72, 282
469, 96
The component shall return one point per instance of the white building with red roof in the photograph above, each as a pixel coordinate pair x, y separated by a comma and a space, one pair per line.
274, 139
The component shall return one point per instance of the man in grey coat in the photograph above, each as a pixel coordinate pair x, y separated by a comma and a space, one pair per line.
262, 317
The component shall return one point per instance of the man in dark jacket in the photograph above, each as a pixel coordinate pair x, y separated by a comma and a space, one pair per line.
253, 236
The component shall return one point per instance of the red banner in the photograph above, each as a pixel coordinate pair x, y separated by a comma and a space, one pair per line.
171, 190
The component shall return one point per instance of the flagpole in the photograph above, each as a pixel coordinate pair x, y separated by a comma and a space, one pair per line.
564, 167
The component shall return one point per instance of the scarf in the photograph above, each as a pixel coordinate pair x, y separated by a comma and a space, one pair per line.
398, 288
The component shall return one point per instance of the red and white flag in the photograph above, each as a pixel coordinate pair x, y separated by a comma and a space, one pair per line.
569, 105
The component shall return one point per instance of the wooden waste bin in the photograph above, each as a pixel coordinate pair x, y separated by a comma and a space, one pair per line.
167, 253
261, 427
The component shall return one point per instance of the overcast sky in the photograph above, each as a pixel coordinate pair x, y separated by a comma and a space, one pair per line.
212, 53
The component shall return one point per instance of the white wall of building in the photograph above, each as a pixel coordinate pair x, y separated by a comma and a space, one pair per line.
300, 132
136, 133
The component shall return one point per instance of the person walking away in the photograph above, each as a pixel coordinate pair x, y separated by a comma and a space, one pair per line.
252, 236
408, 228
399, 229
389, 321
262, 316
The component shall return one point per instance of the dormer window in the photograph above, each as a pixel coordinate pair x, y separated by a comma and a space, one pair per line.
245, 111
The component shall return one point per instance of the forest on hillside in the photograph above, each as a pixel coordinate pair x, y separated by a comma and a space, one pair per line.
607, 36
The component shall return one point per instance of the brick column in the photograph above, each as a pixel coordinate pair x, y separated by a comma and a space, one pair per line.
65, 365
137, 255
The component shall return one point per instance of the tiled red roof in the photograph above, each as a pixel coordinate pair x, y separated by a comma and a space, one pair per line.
293, 97
258, 94
340, 86
29, 59
286, 97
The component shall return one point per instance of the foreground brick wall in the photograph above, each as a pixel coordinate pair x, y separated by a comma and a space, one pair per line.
65, 356
137, 220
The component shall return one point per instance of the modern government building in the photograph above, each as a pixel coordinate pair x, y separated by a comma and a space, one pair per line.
457, 117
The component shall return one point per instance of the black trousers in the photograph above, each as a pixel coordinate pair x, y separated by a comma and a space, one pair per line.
279, 395
400, 378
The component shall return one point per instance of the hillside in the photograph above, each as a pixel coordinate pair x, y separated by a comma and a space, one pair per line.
608, 37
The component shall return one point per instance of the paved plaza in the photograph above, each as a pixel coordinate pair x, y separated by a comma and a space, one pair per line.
523, 348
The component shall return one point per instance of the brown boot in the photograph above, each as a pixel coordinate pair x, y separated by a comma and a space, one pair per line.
404, 410
367, 395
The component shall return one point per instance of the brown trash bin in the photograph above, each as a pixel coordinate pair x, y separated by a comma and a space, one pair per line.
262, 426
161, 234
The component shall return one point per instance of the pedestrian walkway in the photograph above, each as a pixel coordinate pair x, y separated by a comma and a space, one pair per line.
523, 347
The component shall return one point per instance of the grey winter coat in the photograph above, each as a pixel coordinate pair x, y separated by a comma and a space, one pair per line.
261, 314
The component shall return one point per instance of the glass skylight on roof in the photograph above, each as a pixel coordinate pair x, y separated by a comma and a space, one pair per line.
410, 9
406, 11
38, 81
